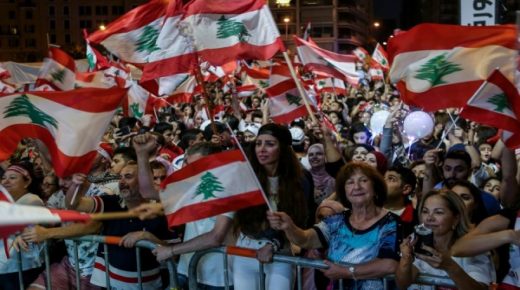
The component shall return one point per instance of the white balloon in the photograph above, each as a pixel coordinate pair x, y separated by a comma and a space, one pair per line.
417, 125
377, 121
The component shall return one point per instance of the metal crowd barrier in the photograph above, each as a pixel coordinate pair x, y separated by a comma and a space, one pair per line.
299, 262
105, 240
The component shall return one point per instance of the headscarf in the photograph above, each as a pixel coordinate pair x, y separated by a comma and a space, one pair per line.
322, 180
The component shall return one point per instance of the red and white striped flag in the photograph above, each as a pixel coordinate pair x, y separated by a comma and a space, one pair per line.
361, 54
497, 104
58, 70
225, 30
133, 36
327, 63
184, 92
61, 120
141, 102
380, 57
441, 66
213, 185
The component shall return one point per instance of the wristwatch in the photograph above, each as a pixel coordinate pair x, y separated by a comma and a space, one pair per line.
352, 270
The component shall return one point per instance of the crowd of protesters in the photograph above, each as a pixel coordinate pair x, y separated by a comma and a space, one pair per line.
339, 193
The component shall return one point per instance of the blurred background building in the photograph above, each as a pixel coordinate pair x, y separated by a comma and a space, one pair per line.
27, 26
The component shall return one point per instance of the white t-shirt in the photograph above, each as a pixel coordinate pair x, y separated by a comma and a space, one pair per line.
211, 267
478, 267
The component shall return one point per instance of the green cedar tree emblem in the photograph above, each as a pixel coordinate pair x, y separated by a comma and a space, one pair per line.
293, 99
135, 110
148, 40
500, 101
435, 69
321, 84
21, 106
263, 84
383, 61
209, 183
228, 28
58, 75
90, 60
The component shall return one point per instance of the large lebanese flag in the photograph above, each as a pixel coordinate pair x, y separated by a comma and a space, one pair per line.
132, 37
327, 63
225, 30
70, 123
497, 104
213, 185
141, 102
58, 70
440, 66
184, 92
175, 54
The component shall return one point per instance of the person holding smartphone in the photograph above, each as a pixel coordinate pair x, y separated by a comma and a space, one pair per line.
445, 214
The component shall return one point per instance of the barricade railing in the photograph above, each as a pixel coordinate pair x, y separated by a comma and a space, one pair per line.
298, 262
105, 241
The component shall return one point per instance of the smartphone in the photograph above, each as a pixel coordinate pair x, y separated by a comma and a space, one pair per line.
424, 236
124, 131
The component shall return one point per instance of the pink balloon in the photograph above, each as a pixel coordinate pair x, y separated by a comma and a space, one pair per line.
418, 124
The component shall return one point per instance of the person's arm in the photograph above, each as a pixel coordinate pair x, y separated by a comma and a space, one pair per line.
307, 239
265, 111
129, 240
331, 152
490, 234
374, 269
37, 234
143, 145
74, 197
509, 190
406, 272
211, 239
497, 149
431, 158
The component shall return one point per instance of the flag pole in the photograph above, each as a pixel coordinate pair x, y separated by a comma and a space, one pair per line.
300, 87
250, 167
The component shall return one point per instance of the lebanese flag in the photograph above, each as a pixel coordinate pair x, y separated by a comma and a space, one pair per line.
96, 61
376, 73
497, 104
440, 66
58, 70
69, 123
141, 102
210, 186
331, 85
307, 32
225, 30
253, 78
360, 53
4, 74
96, 79
285, 102
184, 92
6, 89
175, 54
132, 37
327, 63
380, 57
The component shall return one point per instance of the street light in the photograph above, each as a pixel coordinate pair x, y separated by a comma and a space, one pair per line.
377, 24
102, 27
283, 3
286, 20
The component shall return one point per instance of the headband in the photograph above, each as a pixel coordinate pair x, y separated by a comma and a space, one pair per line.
20, 170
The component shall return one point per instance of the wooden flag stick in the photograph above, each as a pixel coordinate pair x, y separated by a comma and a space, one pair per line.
113, 215
300, 87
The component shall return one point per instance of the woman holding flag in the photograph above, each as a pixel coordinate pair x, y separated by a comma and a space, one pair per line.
20, 182
286, 187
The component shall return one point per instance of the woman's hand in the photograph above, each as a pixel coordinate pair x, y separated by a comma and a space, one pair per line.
34, 234
334, 271
406, 249
438, 260
265, 254
279, 220
19, 244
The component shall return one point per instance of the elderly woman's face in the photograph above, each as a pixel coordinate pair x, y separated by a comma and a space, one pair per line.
15, 183
359, 154
437, 216
316, 156
359, 189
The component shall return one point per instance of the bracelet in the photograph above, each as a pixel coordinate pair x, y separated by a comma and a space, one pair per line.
352, 270
274, 244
